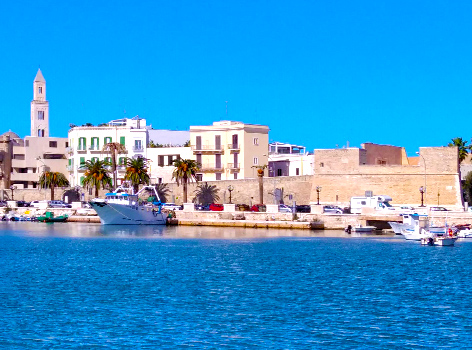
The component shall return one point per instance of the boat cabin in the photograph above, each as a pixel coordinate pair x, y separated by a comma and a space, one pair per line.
122, 198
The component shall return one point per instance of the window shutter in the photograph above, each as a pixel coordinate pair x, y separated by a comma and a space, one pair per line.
122, 140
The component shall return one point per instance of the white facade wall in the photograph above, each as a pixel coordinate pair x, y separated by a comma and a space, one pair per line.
161, 162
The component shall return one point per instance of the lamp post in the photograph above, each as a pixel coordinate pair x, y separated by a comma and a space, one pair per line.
422, 192
12, 188
230, 189
424, 188
318, 190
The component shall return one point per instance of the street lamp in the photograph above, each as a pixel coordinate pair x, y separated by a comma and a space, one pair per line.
318, 190
230, 189
422, 190
12, 187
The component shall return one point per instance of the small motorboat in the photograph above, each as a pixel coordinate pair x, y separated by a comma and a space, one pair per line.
364, 229
439, 240
49, 217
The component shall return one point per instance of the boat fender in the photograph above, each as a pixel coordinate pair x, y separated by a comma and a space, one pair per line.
430, 241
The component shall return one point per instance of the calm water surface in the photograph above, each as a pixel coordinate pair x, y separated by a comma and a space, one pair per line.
82, 286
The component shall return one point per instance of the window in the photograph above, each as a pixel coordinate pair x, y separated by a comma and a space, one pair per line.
169, 160
94, 145
199, 159
321, 165
235, 176
67, 144
122, 140
199, 177
108, 159
363, 203
279, 172
106, 140
137, 145
121, 161
40, 132
160, 161
82, 144
27, 143
82, 161
40, 115
40, 90
218, 142
198, 143
218, 176
256, 141
297, 171
53, 144
255, 161
159, 180
94, 159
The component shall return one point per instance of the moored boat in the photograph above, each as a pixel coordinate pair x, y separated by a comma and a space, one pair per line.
122, 208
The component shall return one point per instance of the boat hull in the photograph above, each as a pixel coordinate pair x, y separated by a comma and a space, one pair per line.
117, 214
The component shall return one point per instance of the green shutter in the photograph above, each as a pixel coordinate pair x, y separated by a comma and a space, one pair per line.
82, 161
122, 140
82, 180
70, 162
106, 140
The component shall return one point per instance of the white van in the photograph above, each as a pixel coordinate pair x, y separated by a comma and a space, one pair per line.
375, 202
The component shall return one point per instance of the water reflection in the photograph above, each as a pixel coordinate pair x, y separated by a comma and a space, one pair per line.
130, 231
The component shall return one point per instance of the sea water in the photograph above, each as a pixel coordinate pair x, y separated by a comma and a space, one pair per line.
84, 286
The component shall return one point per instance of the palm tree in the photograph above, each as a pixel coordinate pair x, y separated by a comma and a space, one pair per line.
162, 191
206, 194
50, 179
114, 148
96, 174
137, 172
260, 176
462, 146
185, 170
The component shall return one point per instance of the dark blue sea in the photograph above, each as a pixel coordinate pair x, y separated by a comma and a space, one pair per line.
84, 286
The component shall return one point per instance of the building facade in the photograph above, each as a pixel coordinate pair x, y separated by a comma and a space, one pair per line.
289, 160
228, 150
38, 152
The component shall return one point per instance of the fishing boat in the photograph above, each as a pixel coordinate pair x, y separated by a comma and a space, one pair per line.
123, 207
364, 229
49, 217
432, 240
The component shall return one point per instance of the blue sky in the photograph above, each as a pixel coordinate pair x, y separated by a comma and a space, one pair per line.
319, 73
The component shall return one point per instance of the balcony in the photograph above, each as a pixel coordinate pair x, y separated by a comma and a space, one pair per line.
94, 148
233, 147
211, 168
233, 168
138, 148
208, 149
121, 167
81, 149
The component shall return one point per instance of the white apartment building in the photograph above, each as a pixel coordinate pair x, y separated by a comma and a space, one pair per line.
161, 162
289, 160
86, 143
229, 150
38, 152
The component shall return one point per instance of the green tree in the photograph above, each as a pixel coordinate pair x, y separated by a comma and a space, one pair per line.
50, 179
206, 194
137, 172
185, 171
467, 188
162, 190
113, 148
96, 174
462, 146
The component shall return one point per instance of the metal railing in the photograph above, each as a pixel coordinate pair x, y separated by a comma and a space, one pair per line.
138, 148
211, 167
232, 166
207, 148
233, 146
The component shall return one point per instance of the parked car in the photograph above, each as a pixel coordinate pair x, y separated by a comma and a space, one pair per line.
258, 208
243, 207
216, 207
332, 209
22, 204
199, 206
37, 204
284, 208
3, 203
303, 209
171, 206
58, 204
438, 209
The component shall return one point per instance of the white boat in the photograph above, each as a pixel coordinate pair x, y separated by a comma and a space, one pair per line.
464, 233
439, 240
122, 208
409, 221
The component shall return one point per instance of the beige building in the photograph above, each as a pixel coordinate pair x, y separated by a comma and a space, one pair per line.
38, 152
229, 150
387, 170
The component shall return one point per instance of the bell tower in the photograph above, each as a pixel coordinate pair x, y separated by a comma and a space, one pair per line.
39, 108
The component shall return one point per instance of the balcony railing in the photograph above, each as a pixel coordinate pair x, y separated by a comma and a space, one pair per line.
207, 148
208, 167
94, 148
233, 167
138, 148
233, 146
81, 148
